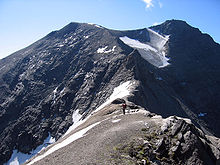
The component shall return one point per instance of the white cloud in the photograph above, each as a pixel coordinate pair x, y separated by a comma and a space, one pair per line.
148, 3
160, 4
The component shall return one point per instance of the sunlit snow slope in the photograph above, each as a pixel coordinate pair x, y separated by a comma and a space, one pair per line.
153, 51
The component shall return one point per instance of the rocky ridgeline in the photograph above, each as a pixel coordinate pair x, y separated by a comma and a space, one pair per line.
138, 137
178, 143
77, 68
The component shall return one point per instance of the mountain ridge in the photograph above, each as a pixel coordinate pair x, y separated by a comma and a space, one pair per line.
130, 139
77, 68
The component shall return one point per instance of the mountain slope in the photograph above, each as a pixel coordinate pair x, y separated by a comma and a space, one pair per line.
194, 73
77, 68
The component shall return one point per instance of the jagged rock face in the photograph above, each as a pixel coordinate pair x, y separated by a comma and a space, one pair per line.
180, 143
78, 67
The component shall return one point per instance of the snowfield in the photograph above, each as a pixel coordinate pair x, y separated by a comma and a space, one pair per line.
153, 51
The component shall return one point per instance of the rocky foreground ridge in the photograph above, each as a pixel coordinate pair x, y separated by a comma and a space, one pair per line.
176, 69
138, 137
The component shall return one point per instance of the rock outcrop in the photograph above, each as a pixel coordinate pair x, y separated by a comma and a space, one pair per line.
138, 137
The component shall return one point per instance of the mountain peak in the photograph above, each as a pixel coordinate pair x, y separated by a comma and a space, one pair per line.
73, 71
175, 21
175, 27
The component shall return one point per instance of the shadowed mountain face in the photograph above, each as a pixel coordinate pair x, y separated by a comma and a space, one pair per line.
77, 68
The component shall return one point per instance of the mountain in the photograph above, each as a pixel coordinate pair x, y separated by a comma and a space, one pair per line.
76, 69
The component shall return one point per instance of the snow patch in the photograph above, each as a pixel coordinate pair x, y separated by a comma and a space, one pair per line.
157, 40
64, 143
54, 93
61, 92
103, 50
88, 75
121, 91
76, 116
20, 158
113, 49
136, 44
157, 117
98, 26
18, 88
153, 51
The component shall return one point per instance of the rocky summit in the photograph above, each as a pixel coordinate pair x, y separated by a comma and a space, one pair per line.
73, 82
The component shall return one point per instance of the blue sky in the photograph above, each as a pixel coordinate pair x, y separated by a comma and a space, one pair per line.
22, 22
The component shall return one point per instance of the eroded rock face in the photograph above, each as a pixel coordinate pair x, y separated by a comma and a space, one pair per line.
77, 68
180, 143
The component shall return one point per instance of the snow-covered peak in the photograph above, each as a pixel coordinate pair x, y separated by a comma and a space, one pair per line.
153, 51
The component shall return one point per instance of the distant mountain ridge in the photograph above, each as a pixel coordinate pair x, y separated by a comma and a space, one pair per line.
77, 68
